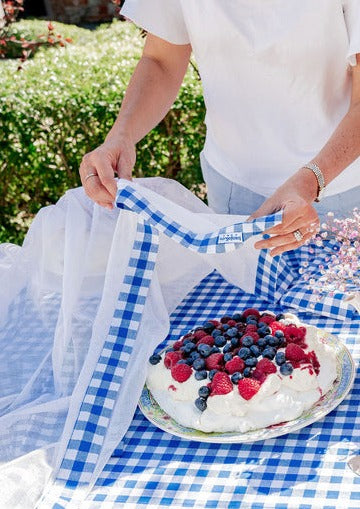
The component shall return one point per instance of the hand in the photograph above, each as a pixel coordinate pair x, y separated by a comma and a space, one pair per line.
113, 156
298, 215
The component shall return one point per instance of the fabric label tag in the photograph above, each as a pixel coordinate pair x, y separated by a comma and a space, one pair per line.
230, 238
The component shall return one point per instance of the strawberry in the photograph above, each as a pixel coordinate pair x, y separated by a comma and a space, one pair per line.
248, 387
221, 384
294, 352
266, 366
214, 361
251, 311
207, 340
236, 364
181, 372
171, 359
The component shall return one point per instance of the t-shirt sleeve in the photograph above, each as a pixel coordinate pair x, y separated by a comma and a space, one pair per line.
163, 18
352, 20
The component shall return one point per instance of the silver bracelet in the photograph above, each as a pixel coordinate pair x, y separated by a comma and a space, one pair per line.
319, 177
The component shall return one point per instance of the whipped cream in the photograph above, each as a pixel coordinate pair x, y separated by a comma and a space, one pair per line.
279, 399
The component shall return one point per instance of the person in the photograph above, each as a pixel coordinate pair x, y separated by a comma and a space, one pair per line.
281, 81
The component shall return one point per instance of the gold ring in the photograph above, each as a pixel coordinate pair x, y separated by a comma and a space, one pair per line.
90, 175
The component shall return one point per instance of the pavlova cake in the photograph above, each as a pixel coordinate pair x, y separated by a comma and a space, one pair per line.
242, 372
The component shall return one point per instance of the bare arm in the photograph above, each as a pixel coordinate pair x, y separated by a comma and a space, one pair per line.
296, 195
150, 94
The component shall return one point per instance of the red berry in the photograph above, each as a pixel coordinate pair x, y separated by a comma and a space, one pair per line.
294, 352
251, 311
234, 365
171, 359
207, 340
248, 387
177, 345
214, 361
221, 384
225, 319
250, 328
312, 357
231, 323
266, 366
267, 319
181, 372
252, 334
275, 326
294, 334
199, 334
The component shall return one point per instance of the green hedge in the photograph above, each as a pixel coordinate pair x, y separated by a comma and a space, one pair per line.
62, 104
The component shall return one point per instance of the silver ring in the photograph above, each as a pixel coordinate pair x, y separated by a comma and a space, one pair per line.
298, 235
90, 175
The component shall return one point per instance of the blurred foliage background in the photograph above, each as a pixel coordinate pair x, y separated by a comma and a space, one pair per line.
61, 105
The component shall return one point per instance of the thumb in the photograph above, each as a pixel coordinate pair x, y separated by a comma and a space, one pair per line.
125, 166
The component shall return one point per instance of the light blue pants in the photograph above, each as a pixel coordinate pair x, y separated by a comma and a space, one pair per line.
226, 197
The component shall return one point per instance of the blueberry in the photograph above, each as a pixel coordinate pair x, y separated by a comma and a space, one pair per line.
255, 350
187, 341
235, 377
232, 332
244, 353
286, 369
236, 317
269, 352
212, 373
234, 342
199, 364
204, 349
204, 391
208, 327
251, 320
215, 349
169, 350
201, 375
280, 316
155, 359
226, 327
261, 343
216, 332
273, 341
247, 372
200, 403
251, 362
189, 361
267, 338
264, 331
194, 355
189, 347
227, 357
220, 341
183, 361
279, 334
247, 341
227, 348
280, 358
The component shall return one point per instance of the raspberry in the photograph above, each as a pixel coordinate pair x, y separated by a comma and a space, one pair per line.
312, 357
214, 361
171, 359
252, 334
251, 328
221, 384
294, 334
216, 323
207, 340
275, 326
266, 366
248, 387
294, 352
251, 311
225, 319
181, 372
177, 345
231, 323
236, 364
199, 334
267, 319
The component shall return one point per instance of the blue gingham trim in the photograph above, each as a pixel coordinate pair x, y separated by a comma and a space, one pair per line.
90, 428
219, 241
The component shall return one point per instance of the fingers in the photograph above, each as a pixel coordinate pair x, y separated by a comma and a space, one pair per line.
298, 215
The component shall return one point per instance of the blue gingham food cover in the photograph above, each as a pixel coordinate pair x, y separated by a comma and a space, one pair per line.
95, 289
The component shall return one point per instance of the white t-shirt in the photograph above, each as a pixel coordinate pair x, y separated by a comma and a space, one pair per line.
275, 78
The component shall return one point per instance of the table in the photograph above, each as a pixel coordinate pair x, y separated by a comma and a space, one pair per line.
302, 470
